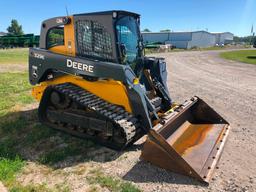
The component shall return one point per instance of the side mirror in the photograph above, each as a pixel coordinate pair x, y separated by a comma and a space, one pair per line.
123, 51
142, 45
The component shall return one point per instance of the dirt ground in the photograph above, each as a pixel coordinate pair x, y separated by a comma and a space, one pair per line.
227, 86
2, 188
14, 68
230, 88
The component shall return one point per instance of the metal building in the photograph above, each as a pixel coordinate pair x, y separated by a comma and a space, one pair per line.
2, 34
224, 38
187, 40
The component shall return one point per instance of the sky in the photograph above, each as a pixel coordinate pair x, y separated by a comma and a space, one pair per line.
236, 16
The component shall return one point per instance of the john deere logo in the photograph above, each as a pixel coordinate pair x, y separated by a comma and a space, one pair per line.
79, 66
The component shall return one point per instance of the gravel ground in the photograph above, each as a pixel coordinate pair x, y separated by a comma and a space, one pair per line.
227, 86
230, 88
2, 188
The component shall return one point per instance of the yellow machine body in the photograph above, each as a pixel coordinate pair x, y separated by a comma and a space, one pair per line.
109, 90
69, 41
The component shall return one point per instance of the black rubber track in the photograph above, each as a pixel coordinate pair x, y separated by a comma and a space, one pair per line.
124, 123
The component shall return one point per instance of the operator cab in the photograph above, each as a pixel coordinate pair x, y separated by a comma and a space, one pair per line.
109, 36
112, 36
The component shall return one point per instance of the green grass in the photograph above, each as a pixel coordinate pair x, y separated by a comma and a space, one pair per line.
21, 133
14, 89
72, 149
58, 155
113, 184
10, 160
16, 135
14, 56
23, 139
13, 127
245, 56
29, 188
37, 133
211, 48
153, 51
9, 167
39, 188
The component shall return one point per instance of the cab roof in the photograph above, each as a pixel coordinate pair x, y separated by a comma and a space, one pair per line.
109, 13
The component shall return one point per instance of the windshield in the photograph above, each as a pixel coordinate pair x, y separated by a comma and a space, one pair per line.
127, 32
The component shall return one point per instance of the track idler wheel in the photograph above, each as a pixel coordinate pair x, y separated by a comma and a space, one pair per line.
118, 137
59, 101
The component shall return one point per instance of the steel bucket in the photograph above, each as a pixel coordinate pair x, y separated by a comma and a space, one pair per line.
189, 142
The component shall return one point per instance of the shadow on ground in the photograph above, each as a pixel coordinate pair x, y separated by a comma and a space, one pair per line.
144, 172
22, 135
251, 57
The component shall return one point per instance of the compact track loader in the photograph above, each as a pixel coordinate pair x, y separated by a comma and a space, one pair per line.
93, 81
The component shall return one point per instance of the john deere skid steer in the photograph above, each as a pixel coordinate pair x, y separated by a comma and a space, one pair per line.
93, 81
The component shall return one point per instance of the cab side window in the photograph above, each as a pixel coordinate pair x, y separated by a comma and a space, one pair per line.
55, 37
93, 40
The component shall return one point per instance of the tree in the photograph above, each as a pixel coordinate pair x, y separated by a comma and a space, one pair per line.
15, 28
146, 30
254, 42
237, 39
247, 39
165, 30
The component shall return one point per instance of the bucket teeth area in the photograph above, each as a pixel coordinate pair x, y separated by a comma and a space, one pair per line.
190, 142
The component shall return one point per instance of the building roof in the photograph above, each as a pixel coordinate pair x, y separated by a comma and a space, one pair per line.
222, 33
176, 32
3, 33
171, 32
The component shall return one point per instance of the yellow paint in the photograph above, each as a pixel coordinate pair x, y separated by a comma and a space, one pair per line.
69, 40
112, 91
109, 90
136, 81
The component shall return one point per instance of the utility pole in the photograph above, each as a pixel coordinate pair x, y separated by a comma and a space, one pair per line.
252, 35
